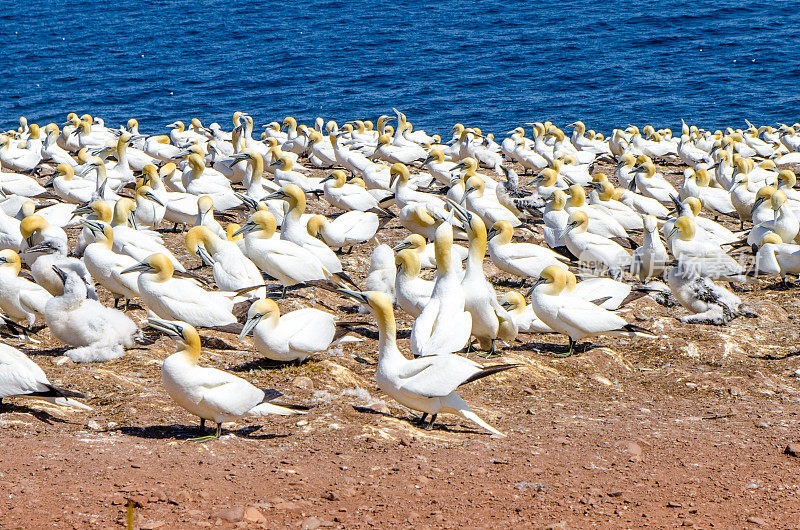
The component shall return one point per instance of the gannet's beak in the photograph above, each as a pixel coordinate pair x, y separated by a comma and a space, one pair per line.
535, 284
280, 194
61, 274
139, 267
150, 195
401, 246
251, 323
246, 229
355, 295
168, 327
203, 254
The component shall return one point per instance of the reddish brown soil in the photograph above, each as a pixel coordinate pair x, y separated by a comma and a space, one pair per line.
686, 430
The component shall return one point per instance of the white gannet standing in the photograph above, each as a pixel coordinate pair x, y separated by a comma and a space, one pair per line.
346, 196
20, 299
382, 273
206, 392
181, 298
444, 326
20, 376
427, 384
106, 266
96, 333
650, 259
704, 256
293, 336
489, 320
572, 316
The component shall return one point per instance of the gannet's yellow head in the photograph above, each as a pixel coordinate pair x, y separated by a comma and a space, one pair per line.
685, 227
577, 196
502, 231
122, 211
553, 279
102, 210
31, 225
315, 223
338, 177
578, 221
771, 238
513, 301
787, 177
259, 310
414, 242
558, 200
474, 186
764, 194
778, 200
10, 259
65, 171
694, 205
205, 204
408, 261
231, 230
400, 173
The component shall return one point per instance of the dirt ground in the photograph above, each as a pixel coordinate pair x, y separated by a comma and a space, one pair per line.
689, 430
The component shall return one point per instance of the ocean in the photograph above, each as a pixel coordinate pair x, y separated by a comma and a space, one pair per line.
487, 64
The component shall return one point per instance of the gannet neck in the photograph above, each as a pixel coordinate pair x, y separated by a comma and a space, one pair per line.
315, 223
31, 225
387, 328
577, 196
442, 246
477, 242
408, 262
163, 268
505, 232
122, 210
191, 340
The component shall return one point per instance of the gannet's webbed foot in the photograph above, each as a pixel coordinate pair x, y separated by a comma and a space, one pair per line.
489, 354
570, 351
210, 437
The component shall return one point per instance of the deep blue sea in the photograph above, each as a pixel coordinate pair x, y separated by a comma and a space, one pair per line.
488, 64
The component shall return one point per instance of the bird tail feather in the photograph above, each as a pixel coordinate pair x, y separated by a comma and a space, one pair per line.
468, 414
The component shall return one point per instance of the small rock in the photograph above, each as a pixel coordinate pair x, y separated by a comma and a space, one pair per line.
754, 519
735, 391
252, 515
762, 424
94, 425
302, 423
379, 406
232, 515
601, 379
111, 425
310, 523
286, 505
303, 382
792, 449
674, 504
151, 525
556, 526
331, 496
633, 449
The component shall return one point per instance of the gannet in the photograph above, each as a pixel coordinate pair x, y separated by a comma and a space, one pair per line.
522, 314
96, 333
293, 336
20, 299
413, 292
106, 266
207, 392
572, 315
348, 229
650, 259
705, 257
382, 273
592, 249
20, 376
181, 298
708, 302
288, 262
427, 384
426, 251
525, 260
346, 196
232, 270
444, 325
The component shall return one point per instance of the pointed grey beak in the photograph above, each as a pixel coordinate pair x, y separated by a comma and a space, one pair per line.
61, 274
251, 323
354, 295
139, 267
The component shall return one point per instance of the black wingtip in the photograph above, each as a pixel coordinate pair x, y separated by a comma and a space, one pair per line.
489, 370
